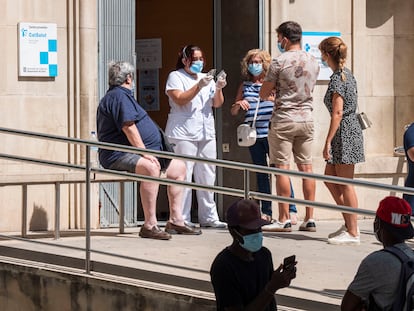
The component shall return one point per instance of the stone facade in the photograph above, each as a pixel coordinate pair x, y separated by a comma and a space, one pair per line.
378, 33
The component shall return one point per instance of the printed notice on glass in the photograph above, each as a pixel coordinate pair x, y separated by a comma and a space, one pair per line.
38, 50
310, 44
149, 55
148, 89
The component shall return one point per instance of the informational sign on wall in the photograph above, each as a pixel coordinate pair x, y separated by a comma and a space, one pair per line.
148, 89
38, 50
310, 43
149, 60
149, 53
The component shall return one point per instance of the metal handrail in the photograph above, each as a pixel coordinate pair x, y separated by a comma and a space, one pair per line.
245, 167
218, 162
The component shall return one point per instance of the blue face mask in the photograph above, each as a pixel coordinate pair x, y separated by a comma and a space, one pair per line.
252, 242
196, 66
255, 69
324, 63
279, 46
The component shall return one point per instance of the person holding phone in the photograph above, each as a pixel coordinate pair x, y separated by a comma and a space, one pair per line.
242, 274
192, 95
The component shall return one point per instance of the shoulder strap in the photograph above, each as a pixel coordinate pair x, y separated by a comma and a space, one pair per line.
255, 113
401, 255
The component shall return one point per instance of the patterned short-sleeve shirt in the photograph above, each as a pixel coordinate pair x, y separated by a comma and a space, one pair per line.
294, 74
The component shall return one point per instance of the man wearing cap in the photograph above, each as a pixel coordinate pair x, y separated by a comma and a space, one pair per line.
378, 274
242, 274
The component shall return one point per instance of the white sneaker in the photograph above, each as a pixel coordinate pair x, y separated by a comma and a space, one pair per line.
308, 225
339, 231
214, 224
278, 226
345, 238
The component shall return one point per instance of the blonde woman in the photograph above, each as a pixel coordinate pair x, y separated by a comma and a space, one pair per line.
344, 145
254, 67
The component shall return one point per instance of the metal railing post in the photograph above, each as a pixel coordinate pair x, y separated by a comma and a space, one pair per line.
24, 210
121, 207
57, 210
246, 184
88, 212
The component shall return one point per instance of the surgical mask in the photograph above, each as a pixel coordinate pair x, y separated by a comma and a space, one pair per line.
255, 69
324, 63
196, 66
279, 46
252, 242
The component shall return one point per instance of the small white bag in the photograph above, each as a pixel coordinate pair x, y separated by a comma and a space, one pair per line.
246, 134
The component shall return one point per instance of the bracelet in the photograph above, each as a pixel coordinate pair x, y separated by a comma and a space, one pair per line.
268, 291
235, 104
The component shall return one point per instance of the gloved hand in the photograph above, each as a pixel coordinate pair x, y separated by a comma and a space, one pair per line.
221, 82
204, 81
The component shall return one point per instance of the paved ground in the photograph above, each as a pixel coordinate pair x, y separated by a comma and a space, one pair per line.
324, 270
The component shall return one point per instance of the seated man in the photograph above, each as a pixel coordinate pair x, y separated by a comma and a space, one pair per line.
378, 275
121, 120
242, 274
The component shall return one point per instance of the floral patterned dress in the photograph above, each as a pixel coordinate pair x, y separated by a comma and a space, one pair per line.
347, 146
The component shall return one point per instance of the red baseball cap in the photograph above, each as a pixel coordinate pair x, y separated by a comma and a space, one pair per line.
396, 214
246, 214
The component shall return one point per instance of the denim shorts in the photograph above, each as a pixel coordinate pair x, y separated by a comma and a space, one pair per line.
126, 162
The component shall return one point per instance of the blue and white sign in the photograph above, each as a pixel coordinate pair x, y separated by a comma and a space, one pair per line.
310, 43
38, 50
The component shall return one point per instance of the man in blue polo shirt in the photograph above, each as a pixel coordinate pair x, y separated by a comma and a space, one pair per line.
121, 120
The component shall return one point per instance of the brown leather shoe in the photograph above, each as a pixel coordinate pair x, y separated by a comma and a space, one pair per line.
174, 229
154, 233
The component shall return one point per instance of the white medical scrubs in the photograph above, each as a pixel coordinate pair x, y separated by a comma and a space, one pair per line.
191, 128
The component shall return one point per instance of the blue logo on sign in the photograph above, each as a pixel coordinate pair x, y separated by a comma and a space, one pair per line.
24, 32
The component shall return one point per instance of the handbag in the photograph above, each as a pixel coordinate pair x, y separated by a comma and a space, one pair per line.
246, 134
363, 120
166, 146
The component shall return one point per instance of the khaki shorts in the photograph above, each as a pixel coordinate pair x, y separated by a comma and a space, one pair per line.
287, 137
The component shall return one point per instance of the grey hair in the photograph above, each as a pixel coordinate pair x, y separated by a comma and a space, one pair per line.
118, 72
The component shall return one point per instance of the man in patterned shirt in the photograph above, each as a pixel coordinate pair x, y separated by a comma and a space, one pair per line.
293, 76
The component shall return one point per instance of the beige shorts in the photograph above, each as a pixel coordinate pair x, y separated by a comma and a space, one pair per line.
286, 138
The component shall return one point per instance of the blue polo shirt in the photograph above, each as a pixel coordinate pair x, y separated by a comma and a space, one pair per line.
117, 107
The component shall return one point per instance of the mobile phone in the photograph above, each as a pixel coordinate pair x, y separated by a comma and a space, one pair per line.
288, 262
222, 74
212, 72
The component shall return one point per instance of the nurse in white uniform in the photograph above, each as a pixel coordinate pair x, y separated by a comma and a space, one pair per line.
190, 126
